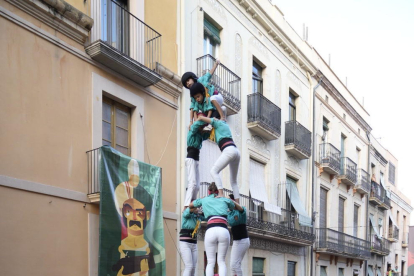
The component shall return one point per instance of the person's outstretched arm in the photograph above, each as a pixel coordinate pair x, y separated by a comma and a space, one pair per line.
213, 69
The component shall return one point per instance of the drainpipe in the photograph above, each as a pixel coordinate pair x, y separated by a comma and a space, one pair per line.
313, 164
367, 200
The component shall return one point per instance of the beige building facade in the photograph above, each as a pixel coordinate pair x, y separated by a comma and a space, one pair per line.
77, 75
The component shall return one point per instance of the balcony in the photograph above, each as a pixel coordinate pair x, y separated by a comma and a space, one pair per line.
329, 159
94, 159
224, 80
393, 233
362, 186
260, 223
263, 116
348, 174
340, 244
386, 202
123, 43
404, 242
298, 140
377, 193
380, 246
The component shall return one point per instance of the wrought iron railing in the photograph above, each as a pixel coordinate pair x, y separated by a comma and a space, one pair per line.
349, 169
262, 110
377, 191
299, 136
94, 158
387, 200
380, 244
285, 224
339, 242
394, 232
363, 180
329, 156
123, 31
224, 80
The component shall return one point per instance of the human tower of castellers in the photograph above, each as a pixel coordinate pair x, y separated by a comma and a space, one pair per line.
207, 120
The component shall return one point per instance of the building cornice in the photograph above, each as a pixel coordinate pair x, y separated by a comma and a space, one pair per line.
401, 202
277, 35
337, 96
170, 82
379, 156
59, 15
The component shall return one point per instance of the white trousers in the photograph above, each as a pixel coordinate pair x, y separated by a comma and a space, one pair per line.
189, 256
229, 156
218, 98
238, 251
217, 239
193, 176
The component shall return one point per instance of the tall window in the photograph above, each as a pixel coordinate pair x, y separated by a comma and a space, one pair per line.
258, 266
115, 24
391, 173
325, 128
211, 38
323, 199
343, 137
116, 126
291, 268
257, 83
292, 107
341, 211
340, 271
358, 157
380, 226
356, 212
382, 178
323, 271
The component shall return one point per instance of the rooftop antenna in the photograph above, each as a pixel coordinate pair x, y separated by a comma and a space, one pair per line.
363, 101
346, 82
329, 60
303, 33
307, 37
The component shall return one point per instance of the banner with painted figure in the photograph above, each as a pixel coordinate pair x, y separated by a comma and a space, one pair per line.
131, 238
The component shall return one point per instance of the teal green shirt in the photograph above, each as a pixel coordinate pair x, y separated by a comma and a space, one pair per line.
189, 220
221, 130
214, 206
204, 107
204, 80
194, 137
237, 217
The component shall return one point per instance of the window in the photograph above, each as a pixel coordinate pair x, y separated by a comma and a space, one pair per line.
326, 99
340, 271
341, 211
391, 173
380, 225
325, 128
116, 125
356, 212
258, 266
291, 271
257, 83
344, 116
343, 138
358, 157
211, 38
323, 271
398, 218
115, 24
292, 107
323, 199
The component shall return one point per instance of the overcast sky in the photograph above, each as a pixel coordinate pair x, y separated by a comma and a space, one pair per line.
371, 42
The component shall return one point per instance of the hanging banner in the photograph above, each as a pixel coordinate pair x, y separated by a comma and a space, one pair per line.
131, 232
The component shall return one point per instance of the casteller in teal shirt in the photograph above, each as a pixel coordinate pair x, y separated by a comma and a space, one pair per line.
221, 130
236, 217
204, 80
214, 206
194, 137
189, 219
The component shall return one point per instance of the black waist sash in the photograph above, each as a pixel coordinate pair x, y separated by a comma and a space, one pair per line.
239, 232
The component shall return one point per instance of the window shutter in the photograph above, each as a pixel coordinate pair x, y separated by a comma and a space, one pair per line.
356, 220
212, 31
341, 214
323, 203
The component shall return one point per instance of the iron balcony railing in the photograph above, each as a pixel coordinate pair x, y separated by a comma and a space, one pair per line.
363, 180
124, 32
341, 243
330, 156
298, 136
349, 169
94, 159
387, 200
224, 80
285, 225
377, 191
380, 244
394, 232
264, 112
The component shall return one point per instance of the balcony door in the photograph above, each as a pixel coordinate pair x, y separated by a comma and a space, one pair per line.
292, 107
341, 211
115, 24
257, 83
323, 202
342, 153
